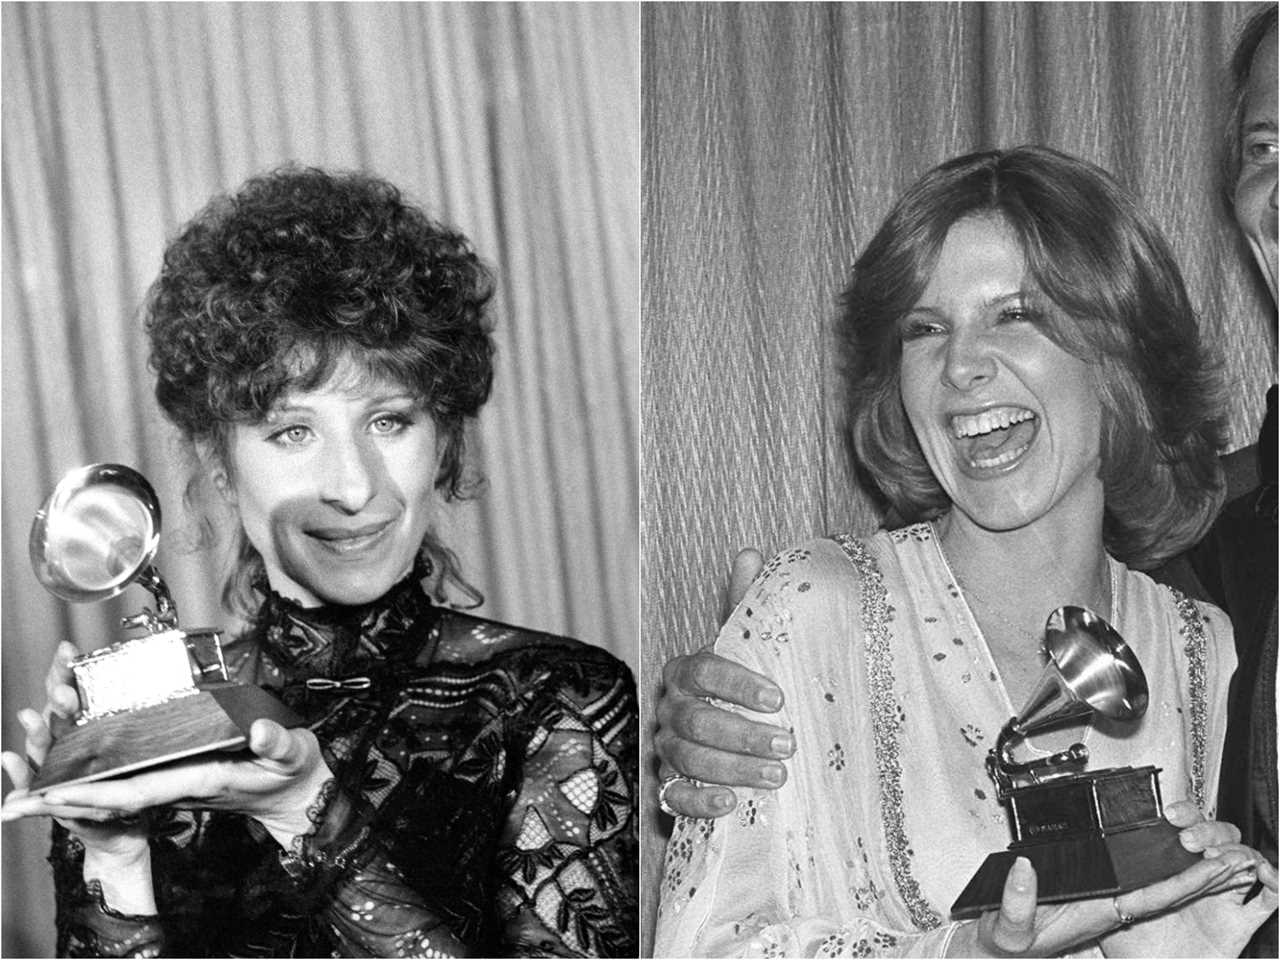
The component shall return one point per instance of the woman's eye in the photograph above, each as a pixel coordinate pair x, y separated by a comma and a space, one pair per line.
389, 423
917, 328
1257, 151
1018, 315
291, 436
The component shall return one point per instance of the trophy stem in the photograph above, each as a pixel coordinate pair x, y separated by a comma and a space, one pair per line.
166, 614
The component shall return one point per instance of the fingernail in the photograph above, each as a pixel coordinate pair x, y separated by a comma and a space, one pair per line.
54, 799
28, 718
1189, 842
770, 699
783, 745
722, 801
772, 773
1021, 873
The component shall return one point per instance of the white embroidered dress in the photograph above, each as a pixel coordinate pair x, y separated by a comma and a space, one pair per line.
894, 700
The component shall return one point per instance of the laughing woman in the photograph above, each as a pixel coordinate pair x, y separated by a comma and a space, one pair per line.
461, 786
1029, 392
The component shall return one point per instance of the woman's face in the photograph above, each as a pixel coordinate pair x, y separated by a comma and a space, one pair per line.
1255, 192
335, 488
1009, 422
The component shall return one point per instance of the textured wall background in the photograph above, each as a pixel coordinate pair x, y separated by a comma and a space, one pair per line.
775, 138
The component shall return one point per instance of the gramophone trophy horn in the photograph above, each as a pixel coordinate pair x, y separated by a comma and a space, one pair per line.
152, 698
1088, 834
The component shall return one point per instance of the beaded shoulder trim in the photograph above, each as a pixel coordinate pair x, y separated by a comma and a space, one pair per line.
1193, 634
875, 614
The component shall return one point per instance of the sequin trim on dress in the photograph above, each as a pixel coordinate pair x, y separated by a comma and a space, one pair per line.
886, 723
1192, 630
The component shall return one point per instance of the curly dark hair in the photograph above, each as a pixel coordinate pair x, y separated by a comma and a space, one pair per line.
269, 288
1100, 258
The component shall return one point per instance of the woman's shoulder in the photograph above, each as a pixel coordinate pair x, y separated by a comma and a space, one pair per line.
805, 597
1177, 604
846, 559
1198, 629
526, 656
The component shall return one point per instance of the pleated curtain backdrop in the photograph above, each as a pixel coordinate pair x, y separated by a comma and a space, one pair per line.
774, 139
516, 123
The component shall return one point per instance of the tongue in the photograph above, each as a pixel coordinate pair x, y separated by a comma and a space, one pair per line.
1002, 438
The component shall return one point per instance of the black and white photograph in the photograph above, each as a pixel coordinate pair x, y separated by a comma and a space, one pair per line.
951, 313
321, 420
627, 478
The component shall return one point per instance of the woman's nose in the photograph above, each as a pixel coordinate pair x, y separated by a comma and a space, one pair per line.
350, 477
969, 361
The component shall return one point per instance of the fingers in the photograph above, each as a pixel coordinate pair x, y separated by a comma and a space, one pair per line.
1015, 924
62, 702
1221, 868
710, 726
707, 675
743, 571
1208, 834
1183, 813
287, 750
38, 737
717, 766
17, 769
270, 741
59, 682
705, 802
19, 803
1269, 876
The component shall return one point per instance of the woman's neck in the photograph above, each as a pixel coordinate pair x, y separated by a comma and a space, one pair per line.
1013, 579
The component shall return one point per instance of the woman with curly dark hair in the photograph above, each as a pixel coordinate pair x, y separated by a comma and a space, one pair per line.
460, 786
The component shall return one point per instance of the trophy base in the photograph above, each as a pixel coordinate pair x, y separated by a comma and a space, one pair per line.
216, 717
1078, 868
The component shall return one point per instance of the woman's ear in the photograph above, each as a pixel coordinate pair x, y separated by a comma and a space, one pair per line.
214, 468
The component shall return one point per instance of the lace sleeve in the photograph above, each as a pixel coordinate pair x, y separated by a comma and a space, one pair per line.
87, 927
362, 900
568, 852
565, 861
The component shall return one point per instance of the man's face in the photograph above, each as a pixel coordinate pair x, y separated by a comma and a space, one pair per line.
1255, 189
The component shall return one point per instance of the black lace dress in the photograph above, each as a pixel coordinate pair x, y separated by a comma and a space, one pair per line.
483, 802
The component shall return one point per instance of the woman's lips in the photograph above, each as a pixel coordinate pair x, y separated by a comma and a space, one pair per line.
994, 441
349, 540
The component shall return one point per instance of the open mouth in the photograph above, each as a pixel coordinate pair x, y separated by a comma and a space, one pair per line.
996, 437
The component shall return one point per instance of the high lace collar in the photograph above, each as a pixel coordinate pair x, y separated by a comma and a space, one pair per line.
335, 641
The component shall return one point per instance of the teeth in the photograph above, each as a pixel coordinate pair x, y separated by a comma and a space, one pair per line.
975, 425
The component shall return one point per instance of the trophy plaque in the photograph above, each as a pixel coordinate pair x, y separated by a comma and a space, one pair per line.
151, 698
1087, 833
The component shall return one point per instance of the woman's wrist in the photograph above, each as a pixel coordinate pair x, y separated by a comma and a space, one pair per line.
300, 819
125, 878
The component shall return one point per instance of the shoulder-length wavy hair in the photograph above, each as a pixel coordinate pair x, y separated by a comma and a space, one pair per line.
268, 289
1101, 260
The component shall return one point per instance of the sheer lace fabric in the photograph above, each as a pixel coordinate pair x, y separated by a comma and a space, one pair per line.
895, 700
483, 802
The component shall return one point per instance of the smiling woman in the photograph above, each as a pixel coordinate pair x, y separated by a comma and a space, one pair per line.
1029, 392
337, 484
460, 786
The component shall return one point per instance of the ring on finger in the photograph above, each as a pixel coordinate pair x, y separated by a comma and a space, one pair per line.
664, 786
